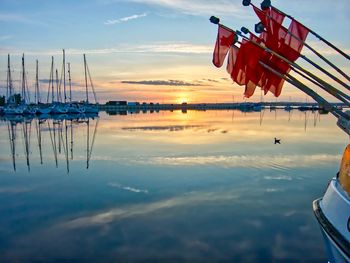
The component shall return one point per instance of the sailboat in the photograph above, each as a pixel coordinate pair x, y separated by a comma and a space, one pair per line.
11, 106
73, 108
25, 103
57, 107
43, 109
89, 107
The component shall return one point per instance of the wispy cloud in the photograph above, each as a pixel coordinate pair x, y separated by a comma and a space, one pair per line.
323, 49
6, 37
12, 18
274, 162
124, 19
161, 83
109, 216
128, 188
201, 7
18, 18
162, 47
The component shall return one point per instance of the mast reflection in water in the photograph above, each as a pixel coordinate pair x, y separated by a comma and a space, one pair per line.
58, 132
201, 186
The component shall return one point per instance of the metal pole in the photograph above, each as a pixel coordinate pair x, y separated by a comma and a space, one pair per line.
321, 101
23, 80
70, 83
86, 87
316, 53
64, 76
327, 87
316, 35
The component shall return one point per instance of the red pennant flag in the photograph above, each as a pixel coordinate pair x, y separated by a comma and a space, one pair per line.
243, 65
277, 38
232, 58
272, 21
293, 42
224, 40
254, 71
237, 70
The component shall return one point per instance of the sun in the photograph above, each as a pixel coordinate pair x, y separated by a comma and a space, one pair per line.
182, 98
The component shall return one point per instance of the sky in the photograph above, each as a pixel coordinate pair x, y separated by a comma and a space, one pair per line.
149, 50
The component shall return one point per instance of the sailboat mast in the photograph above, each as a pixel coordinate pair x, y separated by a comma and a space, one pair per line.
58, 92
8, 76
86, 87
70, 83
23, 94
87, 142
64, 76
37, 94
51, 82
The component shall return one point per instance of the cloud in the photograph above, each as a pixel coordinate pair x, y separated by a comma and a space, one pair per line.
201, 7
161, 83
7, 37
18, 18
124, 19
160, 47
12, 18
270, 162
127, 188
323, 49
47, 81
132, 211
212, 80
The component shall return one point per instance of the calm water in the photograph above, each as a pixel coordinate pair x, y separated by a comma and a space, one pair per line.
168, 186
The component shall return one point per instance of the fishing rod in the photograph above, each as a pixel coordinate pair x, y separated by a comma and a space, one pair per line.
259, 30
267, 4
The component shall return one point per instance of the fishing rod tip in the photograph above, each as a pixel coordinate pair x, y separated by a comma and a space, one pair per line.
215, 20
246, 2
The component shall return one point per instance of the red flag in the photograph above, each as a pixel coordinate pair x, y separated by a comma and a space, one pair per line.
277, 38
274, 83
232, 58
293, 42
224, 40
272, 21
237, 70
243, 65
254, 71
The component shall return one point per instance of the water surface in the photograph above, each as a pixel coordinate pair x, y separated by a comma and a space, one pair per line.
167, 186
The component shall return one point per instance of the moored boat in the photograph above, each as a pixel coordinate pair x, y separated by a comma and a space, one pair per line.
333, 213
13, 110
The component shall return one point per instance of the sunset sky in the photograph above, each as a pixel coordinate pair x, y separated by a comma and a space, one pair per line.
149, 50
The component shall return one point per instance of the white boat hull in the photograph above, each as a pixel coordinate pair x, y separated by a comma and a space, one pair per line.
333, 214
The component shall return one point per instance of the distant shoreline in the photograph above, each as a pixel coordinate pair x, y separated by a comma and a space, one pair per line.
244, 106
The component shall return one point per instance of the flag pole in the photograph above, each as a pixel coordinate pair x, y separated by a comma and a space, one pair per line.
327, 87
267, 3
315, 52
321, 101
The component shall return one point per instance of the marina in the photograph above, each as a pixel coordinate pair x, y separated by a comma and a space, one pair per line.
57, 101
186, 141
